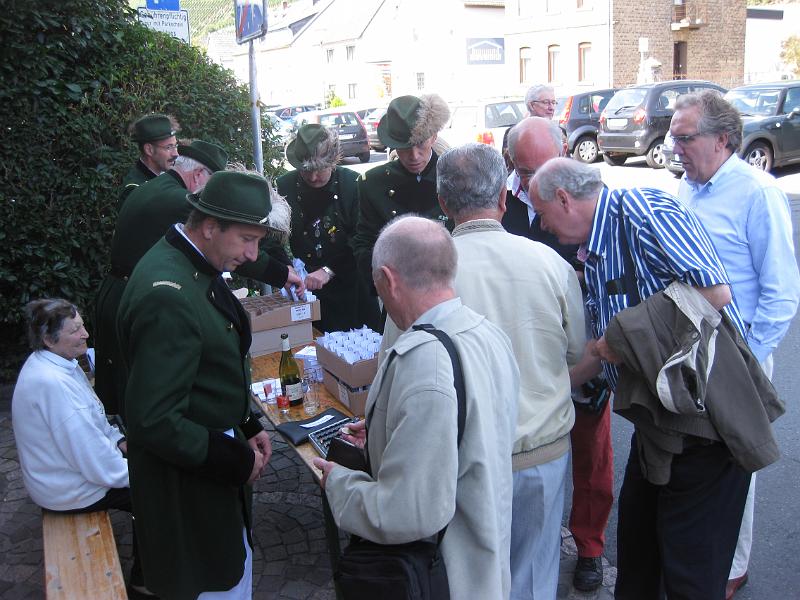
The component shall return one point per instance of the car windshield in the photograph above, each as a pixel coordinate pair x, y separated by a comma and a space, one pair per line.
338, 119
503, 114
759, 101
630, 98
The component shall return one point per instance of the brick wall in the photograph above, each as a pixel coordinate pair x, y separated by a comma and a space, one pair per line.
715, 50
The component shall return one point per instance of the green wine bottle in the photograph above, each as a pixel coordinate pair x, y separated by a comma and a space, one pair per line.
291, 383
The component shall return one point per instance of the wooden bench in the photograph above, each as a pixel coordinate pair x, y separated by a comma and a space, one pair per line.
80, 557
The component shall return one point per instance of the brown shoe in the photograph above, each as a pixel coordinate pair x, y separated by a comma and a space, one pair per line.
734, 585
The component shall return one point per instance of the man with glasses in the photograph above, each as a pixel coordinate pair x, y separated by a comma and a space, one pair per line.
158, 149
748, 219
541, 101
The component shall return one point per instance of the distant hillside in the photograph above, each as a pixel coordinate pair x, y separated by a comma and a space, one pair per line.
206, 16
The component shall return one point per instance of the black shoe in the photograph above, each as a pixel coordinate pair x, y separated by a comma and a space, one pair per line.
588, 574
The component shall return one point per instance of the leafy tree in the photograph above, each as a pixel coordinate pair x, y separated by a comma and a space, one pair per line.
73, 75
790, 53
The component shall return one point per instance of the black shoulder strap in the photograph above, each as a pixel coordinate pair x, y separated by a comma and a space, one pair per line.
628, 268
458, 382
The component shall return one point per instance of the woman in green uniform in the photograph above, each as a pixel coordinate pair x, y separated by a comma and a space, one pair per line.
324, 215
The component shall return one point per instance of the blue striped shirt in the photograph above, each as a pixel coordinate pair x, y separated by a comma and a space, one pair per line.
666, 242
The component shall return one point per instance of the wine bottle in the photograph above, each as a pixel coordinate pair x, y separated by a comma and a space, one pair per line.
291, 383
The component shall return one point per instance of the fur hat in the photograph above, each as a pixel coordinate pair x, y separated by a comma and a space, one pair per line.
410, 120
314, 148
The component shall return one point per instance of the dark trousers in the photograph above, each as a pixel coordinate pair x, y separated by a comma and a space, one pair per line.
684, 533
120, 499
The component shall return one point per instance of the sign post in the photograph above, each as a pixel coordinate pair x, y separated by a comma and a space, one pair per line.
251, 23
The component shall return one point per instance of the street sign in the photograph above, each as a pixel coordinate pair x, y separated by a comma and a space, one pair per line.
173, 22
164, 4
251, 19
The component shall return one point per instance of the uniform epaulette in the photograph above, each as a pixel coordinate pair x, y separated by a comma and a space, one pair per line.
172, 284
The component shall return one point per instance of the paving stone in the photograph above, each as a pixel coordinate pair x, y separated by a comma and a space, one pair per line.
297, 590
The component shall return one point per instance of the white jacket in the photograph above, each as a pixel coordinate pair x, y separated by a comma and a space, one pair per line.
67, 450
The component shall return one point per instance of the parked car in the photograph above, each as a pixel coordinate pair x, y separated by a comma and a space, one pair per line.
484, 121
352, 133
771, 122
288, 113
371, 123
672, 161
636, 119
282, 129
579, 118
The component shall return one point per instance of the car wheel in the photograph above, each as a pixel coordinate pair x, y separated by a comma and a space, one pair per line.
759, 155
655, 155
615, 159
585, 150
363, 157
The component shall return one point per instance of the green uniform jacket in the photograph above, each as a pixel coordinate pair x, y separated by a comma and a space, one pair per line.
148, 212
138, 174
323, 226
384, 193
184, 341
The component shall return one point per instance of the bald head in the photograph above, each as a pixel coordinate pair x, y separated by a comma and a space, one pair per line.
418, 251
535, 134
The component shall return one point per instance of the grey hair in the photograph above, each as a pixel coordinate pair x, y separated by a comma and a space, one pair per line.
420, 251
184, 164
469, 178
552, 128
717, 115
46, 318
535, 91
327, 154
579, 180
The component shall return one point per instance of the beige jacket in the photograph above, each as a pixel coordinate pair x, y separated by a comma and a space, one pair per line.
421, 481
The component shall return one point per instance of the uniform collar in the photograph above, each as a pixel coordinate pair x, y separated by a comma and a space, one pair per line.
177, 239
428, 168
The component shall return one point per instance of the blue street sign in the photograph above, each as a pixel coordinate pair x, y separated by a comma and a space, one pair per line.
251, 19
164, 4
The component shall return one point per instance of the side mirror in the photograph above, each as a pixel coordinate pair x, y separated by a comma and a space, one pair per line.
795, 112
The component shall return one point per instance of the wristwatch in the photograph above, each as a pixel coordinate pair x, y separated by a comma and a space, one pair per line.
328, 271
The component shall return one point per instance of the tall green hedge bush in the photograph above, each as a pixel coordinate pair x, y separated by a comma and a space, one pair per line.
73, 75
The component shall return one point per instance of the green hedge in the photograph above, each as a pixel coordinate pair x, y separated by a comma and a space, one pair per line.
73, 75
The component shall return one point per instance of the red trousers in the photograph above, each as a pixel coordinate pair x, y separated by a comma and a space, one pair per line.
592, 480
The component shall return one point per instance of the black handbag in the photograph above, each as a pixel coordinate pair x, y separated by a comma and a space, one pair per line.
413, 571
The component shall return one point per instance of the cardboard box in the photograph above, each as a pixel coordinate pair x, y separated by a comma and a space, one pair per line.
275, 312
357, 375
269, 341
354, 400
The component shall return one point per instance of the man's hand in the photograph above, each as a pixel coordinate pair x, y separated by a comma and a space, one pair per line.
258, 466
317, 279
587, 367
294, 280
604, 351
355, 433
261, 443
326, 466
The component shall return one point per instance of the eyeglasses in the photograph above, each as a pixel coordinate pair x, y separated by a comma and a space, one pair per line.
545, 102
684, 140
168, 147
525, 173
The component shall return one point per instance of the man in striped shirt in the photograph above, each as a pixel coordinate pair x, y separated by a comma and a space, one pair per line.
664, 242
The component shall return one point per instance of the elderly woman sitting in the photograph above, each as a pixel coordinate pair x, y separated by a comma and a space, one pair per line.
71, 458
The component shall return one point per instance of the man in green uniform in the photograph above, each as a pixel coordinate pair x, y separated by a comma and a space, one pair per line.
148, 212
407, 184
158, 149
193, 449
324, 216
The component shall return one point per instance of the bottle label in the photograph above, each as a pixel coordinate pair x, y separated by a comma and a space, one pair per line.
295, 392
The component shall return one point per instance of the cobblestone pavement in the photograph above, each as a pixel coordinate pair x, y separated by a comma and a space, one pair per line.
290, 555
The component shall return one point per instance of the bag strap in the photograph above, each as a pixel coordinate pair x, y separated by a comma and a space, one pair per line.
628, 268
458, 382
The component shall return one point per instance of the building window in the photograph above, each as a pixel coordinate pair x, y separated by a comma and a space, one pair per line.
329, 55
420, 81
525, 62
351, 52
584, 58
351, 91
553, 68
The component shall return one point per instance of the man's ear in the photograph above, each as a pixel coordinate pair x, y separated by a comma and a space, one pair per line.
563, 198
501, 201
443, 207
208, 227
147, 149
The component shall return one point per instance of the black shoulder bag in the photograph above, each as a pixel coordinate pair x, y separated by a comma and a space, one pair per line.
413, 571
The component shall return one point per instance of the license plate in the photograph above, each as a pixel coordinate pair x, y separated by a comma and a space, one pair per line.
346, 136
617, 123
